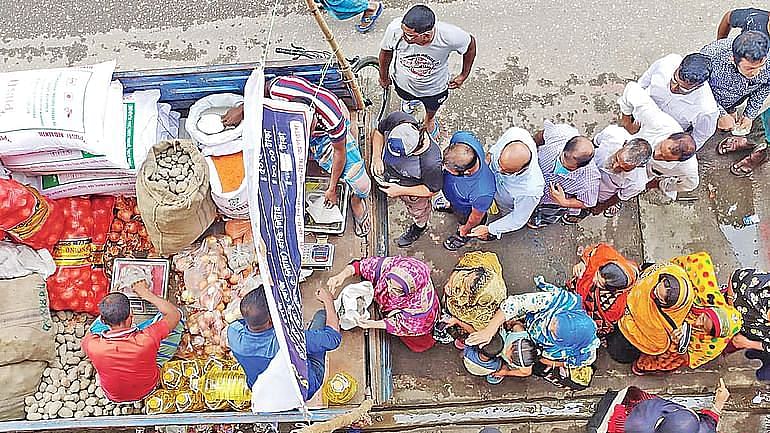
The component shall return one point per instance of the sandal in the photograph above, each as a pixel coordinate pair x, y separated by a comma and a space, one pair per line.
732, 144
363, 226
367, 22
571, 219
455, 242
747, 165
612, 211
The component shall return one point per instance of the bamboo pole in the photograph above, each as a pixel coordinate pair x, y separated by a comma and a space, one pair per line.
347, 73
342, 421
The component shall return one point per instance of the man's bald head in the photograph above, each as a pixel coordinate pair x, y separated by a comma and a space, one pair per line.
578, 152
514, 158
459, 158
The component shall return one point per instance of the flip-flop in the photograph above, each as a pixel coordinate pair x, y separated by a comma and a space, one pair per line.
363, 226
455, 242
571, 219
745, 167
367, 22
727, 145
612, 211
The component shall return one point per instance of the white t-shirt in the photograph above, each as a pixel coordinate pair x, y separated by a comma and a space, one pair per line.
424, 70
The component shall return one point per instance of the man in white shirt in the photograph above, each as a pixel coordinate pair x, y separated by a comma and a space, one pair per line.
520, 182
621, 159
680, 88
414, 56
674, 166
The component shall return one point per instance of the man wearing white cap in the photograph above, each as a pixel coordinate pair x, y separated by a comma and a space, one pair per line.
407, 164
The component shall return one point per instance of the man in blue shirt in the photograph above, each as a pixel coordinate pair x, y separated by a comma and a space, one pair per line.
469, 185
254, 344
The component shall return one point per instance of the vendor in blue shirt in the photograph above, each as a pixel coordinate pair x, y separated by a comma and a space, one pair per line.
254, 344
469, 185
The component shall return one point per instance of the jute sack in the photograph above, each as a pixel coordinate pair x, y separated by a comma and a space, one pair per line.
175, 218
19, 381
28, 333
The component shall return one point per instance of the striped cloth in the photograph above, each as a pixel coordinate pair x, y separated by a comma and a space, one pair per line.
329, 110
582, 184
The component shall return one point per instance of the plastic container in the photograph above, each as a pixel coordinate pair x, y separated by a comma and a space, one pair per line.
219, 385
340, 388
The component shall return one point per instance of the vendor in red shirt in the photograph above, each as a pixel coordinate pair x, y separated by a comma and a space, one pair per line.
128, 357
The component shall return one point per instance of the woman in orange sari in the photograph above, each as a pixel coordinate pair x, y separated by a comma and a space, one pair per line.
656, 308
603, 279
713, 321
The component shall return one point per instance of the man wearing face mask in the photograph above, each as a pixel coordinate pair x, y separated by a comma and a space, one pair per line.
414, 56
469, 185
519, 182
621, 160
680, 88
571, 177
674, 166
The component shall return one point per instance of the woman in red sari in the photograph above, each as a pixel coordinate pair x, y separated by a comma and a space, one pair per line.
603, 278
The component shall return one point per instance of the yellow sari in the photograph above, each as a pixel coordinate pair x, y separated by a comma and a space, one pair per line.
705, 347
644, 323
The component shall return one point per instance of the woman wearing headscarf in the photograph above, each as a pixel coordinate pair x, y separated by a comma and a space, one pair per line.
749, 292
713, 321
632, 410
554, 321
603, 279
473, 293
404, 291
656, 308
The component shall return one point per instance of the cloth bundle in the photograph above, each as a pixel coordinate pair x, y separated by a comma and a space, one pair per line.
353, 304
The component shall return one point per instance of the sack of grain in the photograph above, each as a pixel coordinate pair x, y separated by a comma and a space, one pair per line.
204, 125
228, 186
131, 127
174, 196
52, 109
77, 183
26, 321
19, 381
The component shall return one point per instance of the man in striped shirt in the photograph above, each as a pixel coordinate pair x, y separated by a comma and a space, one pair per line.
571, 176
332, 145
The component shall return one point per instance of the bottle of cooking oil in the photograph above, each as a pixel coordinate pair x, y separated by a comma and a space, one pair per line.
219, 384
340, 388
189, 401
160, 401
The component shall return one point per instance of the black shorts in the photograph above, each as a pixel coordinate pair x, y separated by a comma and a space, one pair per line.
431, 103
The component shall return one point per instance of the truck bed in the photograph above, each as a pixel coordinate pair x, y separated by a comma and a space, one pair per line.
181, 87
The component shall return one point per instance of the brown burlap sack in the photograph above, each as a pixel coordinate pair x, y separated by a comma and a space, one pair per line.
27, 329
175, 205
19, 381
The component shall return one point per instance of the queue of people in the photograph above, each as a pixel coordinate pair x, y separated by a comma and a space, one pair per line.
657, 317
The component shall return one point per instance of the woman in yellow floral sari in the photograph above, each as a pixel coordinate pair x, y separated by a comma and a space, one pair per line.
713, 321
473, 293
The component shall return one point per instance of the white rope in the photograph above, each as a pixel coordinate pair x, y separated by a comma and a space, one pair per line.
270, 33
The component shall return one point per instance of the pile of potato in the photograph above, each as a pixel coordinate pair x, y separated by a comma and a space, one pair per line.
175, 168
69, 388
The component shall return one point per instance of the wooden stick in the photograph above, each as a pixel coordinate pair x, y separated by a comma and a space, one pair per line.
340, 421
347, 73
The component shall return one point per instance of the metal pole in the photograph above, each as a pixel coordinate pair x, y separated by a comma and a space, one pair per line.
344, 64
